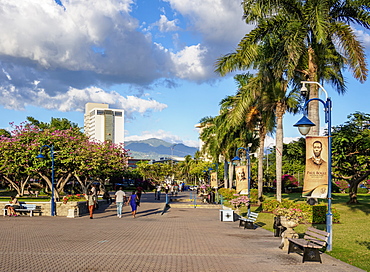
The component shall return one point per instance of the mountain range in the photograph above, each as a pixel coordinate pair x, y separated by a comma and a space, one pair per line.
155, 149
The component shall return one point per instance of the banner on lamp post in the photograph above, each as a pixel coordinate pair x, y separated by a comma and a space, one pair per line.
241, 179
316, 173
214, 180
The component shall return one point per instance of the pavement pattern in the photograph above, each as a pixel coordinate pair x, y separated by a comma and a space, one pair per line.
177, 239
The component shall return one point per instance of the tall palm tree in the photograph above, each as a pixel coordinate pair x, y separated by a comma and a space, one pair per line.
249, 108
318, 39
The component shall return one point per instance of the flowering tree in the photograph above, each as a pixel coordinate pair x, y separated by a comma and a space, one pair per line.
74, 155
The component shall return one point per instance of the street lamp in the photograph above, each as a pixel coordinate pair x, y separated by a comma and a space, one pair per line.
40, 156
236, 158
304, 125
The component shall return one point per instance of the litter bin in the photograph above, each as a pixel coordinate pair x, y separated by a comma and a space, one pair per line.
227, 215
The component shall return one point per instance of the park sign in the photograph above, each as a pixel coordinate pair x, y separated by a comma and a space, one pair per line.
316, 173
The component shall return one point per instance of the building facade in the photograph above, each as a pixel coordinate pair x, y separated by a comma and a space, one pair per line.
104, 124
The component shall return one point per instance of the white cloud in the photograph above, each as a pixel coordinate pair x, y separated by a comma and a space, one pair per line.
164, 25
75, 100
189, 63
220, 21
364, 37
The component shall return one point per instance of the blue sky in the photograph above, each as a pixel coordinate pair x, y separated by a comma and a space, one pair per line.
152, 58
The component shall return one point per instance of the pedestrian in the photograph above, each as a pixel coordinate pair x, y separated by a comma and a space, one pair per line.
95, 193
139, 191
133, 203
107, 197
158, 192
90, 203
176, 188
120, 198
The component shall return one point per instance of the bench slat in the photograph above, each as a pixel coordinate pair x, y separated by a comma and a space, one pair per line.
317, 236
323, 233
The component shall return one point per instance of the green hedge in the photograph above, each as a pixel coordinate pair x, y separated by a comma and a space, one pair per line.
313, 214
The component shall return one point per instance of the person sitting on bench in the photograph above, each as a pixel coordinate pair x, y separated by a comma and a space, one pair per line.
14, 205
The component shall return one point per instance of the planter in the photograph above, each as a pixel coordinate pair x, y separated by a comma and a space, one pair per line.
288, 233
289, 224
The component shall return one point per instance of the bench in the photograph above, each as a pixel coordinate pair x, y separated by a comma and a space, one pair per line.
248, 223
312, 242
31, 208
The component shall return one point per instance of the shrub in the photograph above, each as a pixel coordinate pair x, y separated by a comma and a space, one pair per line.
312, 214
227, 194
254, 196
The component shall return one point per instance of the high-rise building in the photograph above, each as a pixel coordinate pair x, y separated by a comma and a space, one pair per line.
104, 124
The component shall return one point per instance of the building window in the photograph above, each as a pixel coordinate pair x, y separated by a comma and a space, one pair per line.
99, 112
108, 112
118, 113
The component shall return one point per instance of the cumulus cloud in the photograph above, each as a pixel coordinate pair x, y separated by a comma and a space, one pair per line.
75, 100
53, 49
165, 25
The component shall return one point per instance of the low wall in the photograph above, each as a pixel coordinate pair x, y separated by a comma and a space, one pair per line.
80, 207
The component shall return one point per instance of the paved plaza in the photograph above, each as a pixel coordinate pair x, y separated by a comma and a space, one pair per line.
181, 239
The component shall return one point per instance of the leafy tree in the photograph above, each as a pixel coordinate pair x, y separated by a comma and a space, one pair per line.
74, 155
4, 133
55, 123
156, 172
351, 152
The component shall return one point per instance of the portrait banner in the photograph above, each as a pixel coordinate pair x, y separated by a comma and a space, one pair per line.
214, 183
316, 173
241, 179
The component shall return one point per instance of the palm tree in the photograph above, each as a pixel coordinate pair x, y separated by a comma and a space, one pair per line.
317, 39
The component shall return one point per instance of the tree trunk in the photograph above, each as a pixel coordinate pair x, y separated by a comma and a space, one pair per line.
313, 106
231, 175
261, 152
226, 168
48, 182
280, 110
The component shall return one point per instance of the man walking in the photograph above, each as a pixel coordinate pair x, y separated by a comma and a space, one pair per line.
120, 198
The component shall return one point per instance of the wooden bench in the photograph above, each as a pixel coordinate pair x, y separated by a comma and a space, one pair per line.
248, 222
24, 208
313, 240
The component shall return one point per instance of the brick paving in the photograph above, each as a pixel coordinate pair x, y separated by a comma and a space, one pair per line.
179, 240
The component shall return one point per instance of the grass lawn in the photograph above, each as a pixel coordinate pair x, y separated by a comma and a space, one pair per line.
351, 237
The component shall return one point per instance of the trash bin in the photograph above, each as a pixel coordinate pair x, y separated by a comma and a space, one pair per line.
227, 215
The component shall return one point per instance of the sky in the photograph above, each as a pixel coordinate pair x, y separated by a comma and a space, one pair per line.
153, 58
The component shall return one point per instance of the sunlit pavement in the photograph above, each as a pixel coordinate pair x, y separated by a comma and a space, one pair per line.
179, 239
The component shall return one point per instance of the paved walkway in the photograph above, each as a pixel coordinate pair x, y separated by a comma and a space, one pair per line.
181, 239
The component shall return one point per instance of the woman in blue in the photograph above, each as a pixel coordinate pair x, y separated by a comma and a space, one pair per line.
133, 203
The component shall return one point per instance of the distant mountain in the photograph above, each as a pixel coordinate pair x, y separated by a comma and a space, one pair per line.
155, 148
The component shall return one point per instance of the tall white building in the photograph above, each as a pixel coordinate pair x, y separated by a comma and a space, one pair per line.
104, 124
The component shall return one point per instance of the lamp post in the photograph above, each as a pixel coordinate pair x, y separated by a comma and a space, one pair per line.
304, 125
236, 158
40, 156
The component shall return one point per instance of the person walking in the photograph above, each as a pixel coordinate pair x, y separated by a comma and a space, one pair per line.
133, 203
90, 201
158, 192
95, 193
120, 198
139, 191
